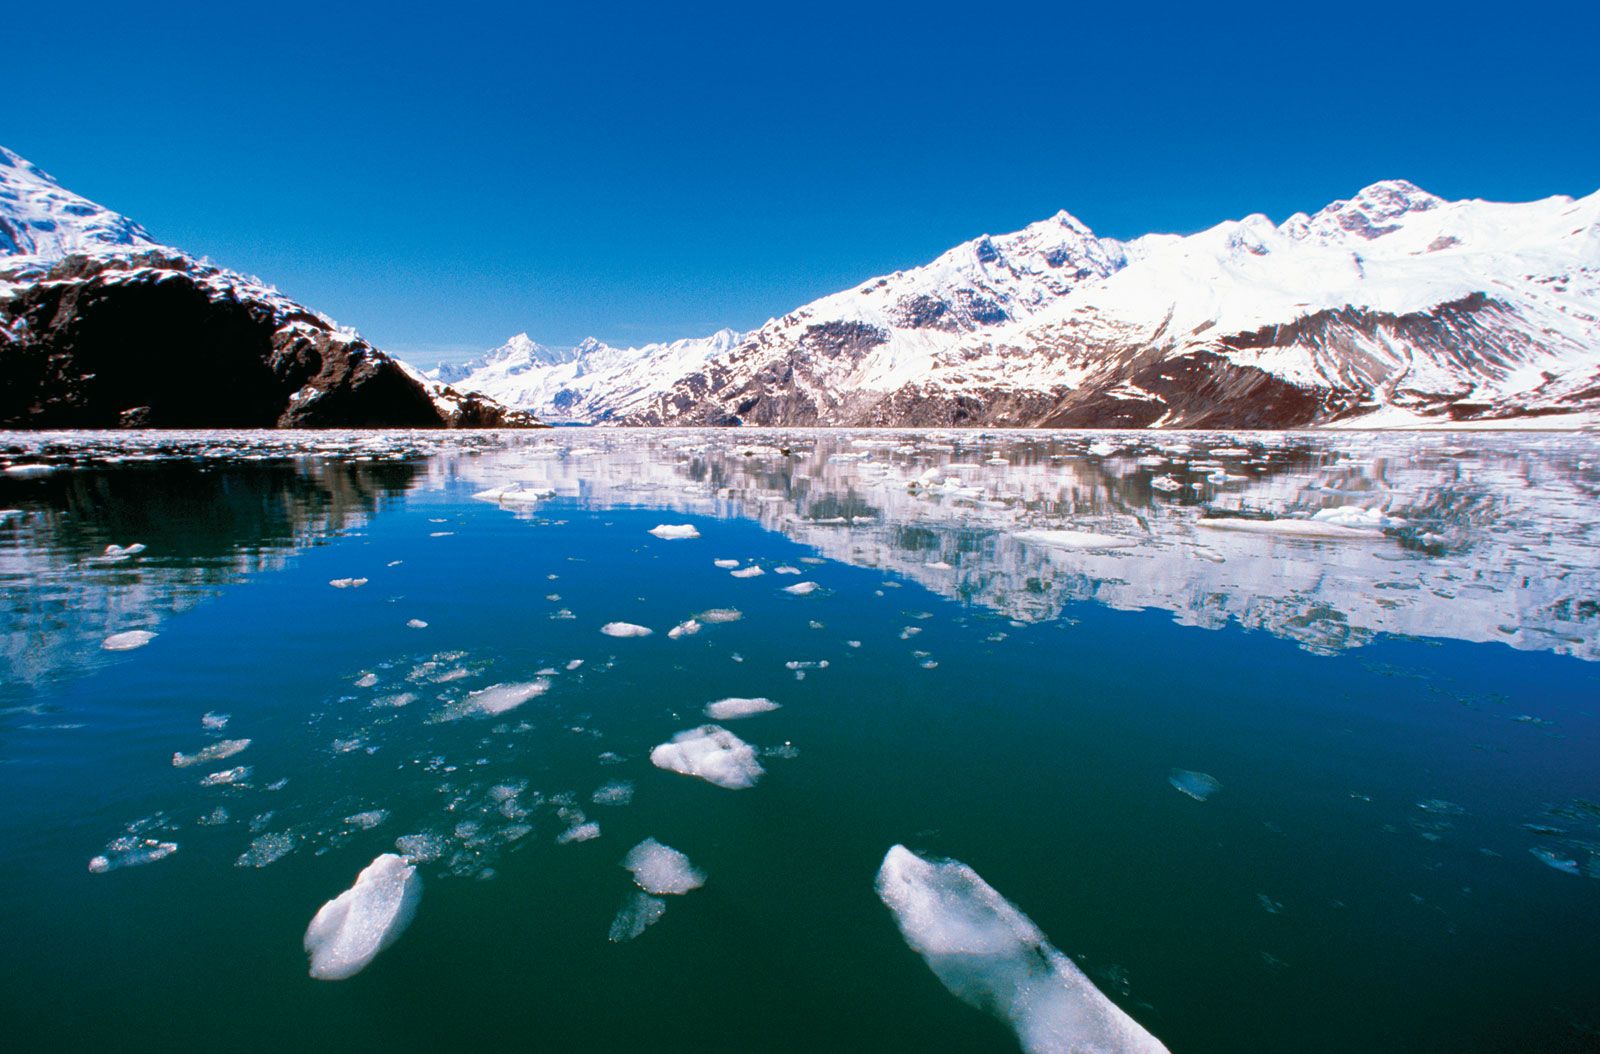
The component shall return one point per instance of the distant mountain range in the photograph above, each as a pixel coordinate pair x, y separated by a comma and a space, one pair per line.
1394, 308
102, 326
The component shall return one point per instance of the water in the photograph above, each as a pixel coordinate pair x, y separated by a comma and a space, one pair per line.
1270, 791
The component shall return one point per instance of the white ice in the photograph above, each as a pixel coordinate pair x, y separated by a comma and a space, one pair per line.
732, 709
661, 869
710, 753
726, 565
1064, 539
801, 589
128, 640
501, 698
355, 926
686, 628
222, 748
992, 956
625, 629
747, 572
579, 832
674, 531
718, 615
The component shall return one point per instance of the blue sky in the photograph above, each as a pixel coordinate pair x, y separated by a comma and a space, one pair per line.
441, 178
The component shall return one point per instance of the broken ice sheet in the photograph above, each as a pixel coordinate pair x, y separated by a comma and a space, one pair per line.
350, 930
638, 913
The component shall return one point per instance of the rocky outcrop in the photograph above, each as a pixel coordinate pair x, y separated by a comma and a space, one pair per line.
155, 339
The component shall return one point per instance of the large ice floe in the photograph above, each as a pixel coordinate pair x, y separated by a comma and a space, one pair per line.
661, 869
711, 753
352, 928
992, 956
674, 531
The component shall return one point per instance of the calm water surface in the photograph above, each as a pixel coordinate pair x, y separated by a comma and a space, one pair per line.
1020, 648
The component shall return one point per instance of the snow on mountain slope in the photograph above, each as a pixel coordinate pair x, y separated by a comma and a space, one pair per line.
38, 217
1394, 301
103, 326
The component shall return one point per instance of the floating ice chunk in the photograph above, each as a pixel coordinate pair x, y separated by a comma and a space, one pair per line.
579, 832
128, 640
574, 664
268, 848
1197, 785
617, 792
1166, 483
726, 565
732, 709
1065, 539
1353, 516
131, 852
347, 583
416, 623
226, 777
990, 955
806, 664
747, 572
355, 926
674, 531
1314, 529
222, 748
717, 615
637, 914
786, 569
801, 589
500, 698
661, 869
366, 680
940, 565
1551, 857
687, 628
710, 753
366, 821
515, 494
121, 552
212, 721
421, 848
625, 629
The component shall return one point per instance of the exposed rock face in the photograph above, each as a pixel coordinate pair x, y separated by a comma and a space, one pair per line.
156, 340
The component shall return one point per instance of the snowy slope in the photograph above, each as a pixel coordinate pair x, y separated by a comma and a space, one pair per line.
38, 217
1395, 302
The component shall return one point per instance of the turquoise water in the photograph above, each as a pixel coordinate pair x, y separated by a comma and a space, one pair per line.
1035, 646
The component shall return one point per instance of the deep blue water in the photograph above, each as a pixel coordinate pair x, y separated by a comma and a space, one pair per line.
1397, 720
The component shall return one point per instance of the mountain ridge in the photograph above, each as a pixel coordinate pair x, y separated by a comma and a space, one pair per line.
1393, 304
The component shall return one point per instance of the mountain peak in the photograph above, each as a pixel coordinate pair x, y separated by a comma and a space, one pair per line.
39, 217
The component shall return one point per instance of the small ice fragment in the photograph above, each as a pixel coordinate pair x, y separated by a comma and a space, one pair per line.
347, 583
421, 848
661, 869
717, 615
1166, 483
1197, 785
687, 628
355, 926
581, 832
132, 854
212, 721
732, 709
801, 589
726, 565
710, 753
267, 848
747, 572
1074, 539
366, 821
617, 792
674, 531
226, 777
989, 954
637, 914
366, 680
501, 698
625, 629
787, 569
1554, 858
574, 664
416, 623
128, 640
222, 748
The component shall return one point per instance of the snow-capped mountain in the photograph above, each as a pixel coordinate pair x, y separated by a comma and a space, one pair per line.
1395, 307
103, 326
